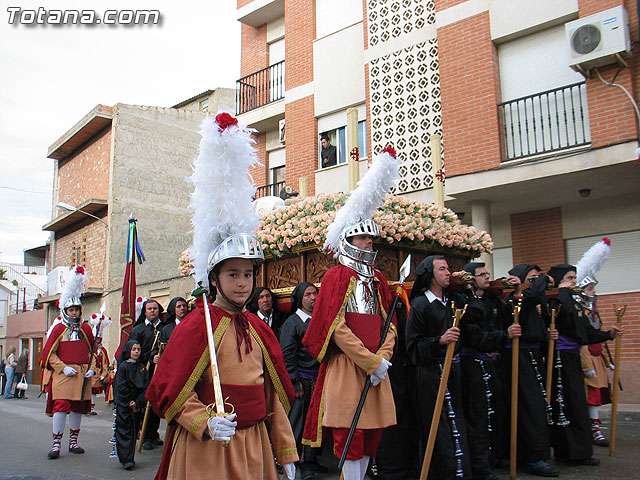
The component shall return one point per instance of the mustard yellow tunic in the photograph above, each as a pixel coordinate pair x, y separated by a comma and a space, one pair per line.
251, 450
345, 379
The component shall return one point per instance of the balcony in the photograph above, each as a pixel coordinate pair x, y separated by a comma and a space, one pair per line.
546, 122
260, 88
272, 189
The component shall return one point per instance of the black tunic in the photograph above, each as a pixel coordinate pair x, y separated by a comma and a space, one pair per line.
573, 441
296, 357
482, 335
533, 425
145, 334
130, 385
428, 321
397, 455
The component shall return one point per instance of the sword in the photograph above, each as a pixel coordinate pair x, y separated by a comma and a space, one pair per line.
405, 270
218, 408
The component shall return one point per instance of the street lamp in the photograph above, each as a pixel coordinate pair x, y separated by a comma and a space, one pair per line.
71, 208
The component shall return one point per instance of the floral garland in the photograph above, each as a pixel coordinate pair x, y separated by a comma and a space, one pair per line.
304, 224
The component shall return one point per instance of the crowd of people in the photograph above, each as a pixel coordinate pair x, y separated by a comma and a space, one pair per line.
250, 392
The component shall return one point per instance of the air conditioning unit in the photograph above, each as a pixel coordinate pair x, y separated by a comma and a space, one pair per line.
599, 39
281, 131
55, 280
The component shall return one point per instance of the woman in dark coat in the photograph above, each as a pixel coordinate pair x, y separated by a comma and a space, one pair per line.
130, 385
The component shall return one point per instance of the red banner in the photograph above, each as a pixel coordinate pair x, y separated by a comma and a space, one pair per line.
128, 306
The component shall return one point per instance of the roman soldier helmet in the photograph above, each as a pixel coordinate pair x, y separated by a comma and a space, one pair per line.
224, 219
356, 217
588, 266
74, 282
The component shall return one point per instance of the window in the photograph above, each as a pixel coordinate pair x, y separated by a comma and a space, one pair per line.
338, 139
204, 105
277, 180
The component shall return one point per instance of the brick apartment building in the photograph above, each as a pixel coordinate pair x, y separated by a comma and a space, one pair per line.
116, 161
536, 153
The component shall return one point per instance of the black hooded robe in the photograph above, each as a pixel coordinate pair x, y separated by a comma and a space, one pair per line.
533, 423
427, 322
130, 384
482, 335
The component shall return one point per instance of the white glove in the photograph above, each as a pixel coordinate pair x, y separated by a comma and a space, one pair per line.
375, 380
222, 428
590, 373
89, 374
69, 371
381, 371
289, 470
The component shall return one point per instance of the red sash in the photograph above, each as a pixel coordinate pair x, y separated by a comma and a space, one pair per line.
595, 349
248, 401
366, 327
74, 352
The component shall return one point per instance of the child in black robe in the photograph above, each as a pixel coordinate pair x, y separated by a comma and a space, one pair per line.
130, 385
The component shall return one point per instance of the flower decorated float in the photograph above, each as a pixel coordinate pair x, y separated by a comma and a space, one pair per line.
292, 238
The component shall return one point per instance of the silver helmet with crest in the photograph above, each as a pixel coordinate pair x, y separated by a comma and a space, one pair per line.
356, 216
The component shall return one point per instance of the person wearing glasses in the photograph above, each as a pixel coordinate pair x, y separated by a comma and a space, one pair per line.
483, 336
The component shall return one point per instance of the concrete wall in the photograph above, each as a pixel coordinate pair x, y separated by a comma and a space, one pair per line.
338, 78
153, 150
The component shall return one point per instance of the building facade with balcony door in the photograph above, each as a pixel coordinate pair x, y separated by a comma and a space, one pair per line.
536, 153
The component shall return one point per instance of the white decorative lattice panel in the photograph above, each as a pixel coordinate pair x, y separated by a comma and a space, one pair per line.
406, 109
391, 19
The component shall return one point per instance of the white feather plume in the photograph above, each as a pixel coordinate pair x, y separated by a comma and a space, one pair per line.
95, 320
364, 200
74, 282
223, 190
593, 259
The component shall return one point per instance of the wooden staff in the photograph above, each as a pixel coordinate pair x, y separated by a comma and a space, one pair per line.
616, 379
515, 354
437, 410
550, 352
147, 411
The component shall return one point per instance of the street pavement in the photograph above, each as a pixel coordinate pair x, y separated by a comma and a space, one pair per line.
25, 440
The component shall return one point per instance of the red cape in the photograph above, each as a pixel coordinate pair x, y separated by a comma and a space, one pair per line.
337, 285
185, 354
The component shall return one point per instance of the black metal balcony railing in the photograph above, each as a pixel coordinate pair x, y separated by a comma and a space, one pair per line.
271, 189
545, 122
260, 88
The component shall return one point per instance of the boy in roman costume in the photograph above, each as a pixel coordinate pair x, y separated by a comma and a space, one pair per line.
100, 364
594, 360
65, 360
345, 329
251, 369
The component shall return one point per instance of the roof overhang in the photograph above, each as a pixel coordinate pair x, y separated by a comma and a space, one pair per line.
67, 219
81, 133
261, 12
